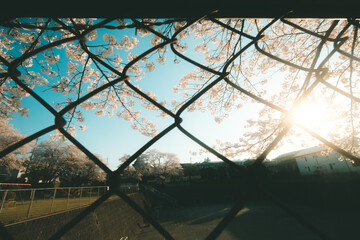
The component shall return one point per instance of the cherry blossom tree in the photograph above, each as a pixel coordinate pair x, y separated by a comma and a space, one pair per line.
156, 163
130, 171
8, 136
316, 58
54, 160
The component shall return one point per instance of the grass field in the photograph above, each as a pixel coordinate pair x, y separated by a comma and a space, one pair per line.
12, 213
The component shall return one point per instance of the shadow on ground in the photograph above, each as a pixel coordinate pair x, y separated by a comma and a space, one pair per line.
328, 203
258, 220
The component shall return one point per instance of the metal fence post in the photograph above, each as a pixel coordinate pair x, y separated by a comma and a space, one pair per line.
81, 191
3, 201
32, 194
53, 200
68, 199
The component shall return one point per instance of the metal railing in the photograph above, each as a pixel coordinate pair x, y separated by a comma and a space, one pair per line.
316, 71
21, 204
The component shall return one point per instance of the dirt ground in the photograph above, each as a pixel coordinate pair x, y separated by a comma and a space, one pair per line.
258, 220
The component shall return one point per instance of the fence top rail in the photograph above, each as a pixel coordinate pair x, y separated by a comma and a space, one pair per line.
15, 184
29, 189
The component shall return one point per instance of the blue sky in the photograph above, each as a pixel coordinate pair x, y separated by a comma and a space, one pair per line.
114, 137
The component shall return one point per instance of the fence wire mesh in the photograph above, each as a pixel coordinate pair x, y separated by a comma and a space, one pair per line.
20, 204
315, 75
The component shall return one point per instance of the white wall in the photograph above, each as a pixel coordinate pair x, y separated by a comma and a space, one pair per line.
315, 163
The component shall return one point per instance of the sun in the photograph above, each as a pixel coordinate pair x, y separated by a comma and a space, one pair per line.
309, 114
313, 115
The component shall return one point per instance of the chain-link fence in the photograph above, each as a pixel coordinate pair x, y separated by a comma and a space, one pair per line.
316, 75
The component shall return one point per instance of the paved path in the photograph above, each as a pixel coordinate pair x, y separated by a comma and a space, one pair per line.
256, 221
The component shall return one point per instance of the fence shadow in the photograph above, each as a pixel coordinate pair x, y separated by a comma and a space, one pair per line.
4, 233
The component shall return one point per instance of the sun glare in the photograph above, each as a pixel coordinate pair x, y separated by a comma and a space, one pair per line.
312, 115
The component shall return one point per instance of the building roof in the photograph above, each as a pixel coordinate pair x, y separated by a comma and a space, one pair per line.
299, 153
212, 163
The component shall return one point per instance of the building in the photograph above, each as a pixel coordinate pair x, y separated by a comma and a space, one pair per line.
312, 161
10, 175
210, 170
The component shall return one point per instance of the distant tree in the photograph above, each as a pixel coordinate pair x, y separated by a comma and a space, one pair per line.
44, 164
207, 160
9, 136
129, 171
156, 163
54, 160
143, 166
249, 162
78, 169
171, 165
